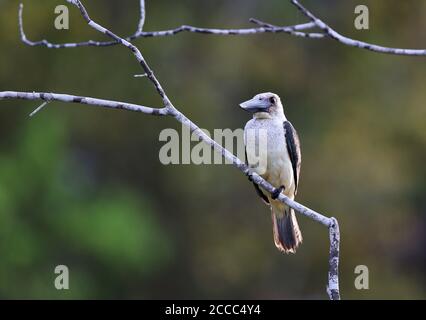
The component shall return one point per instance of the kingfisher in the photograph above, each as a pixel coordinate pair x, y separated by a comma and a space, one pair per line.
269, 129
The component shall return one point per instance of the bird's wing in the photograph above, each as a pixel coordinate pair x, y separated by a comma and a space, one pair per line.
293, 148
256, 187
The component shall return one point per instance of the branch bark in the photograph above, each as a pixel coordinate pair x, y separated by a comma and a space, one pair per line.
169, 109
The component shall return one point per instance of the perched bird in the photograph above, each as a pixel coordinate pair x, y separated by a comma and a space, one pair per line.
282, 163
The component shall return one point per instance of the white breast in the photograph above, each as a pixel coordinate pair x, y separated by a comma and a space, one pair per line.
278, 169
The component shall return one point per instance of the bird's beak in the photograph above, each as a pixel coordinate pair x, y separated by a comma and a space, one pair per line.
255, 105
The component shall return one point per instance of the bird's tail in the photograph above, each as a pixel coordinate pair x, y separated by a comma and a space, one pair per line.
287, 235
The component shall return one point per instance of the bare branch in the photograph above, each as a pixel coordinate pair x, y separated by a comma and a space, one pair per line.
131, 47
170, 110
331, 33
333, 271
141, 17
47, 97
297, 27
293, 30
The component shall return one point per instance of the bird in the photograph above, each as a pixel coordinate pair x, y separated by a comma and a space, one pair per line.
270, 129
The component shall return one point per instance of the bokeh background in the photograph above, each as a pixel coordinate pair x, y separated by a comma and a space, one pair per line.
84, 187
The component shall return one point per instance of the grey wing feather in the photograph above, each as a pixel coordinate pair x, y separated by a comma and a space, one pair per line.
293, 148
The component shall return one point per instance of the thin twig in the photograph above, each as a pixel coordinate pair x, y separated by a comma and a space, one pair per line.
39, 108
141, 17
293, 30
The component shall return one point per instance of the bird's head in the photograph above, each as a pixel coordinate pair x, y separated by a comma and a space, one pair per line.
264, 105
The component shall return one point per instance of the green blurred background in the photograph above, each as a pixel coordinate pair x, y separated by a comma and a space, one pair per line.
84, 187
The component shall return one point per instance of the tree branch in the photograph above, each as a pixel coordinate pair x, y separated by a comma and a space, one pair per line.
330, 223
331, 33
293, 30
264, 27
333, 271
170, 110
47, 97
141, 17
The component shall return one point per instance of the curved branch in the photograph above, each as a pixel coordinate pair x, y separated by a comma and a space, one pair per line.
293, 30
171, 110
330, 223
331, 33
316, 216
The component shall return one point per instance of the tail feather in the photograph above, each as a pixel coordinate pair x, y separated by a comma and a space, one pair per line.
287, 235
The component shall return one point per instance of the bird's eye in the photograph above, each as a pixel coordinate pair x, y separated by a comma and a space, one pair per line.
272, 100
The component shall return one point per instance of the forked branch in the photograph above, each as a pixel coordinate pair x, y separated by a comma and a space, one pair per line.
168, 109
297, 30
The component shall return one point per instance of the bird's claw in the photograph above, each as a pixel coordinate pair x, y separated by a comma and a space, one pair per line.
250, 175
276, 193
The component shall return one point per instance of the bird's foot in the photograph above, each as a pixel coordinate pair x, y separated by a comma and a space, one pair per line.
250, 176
276, 193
